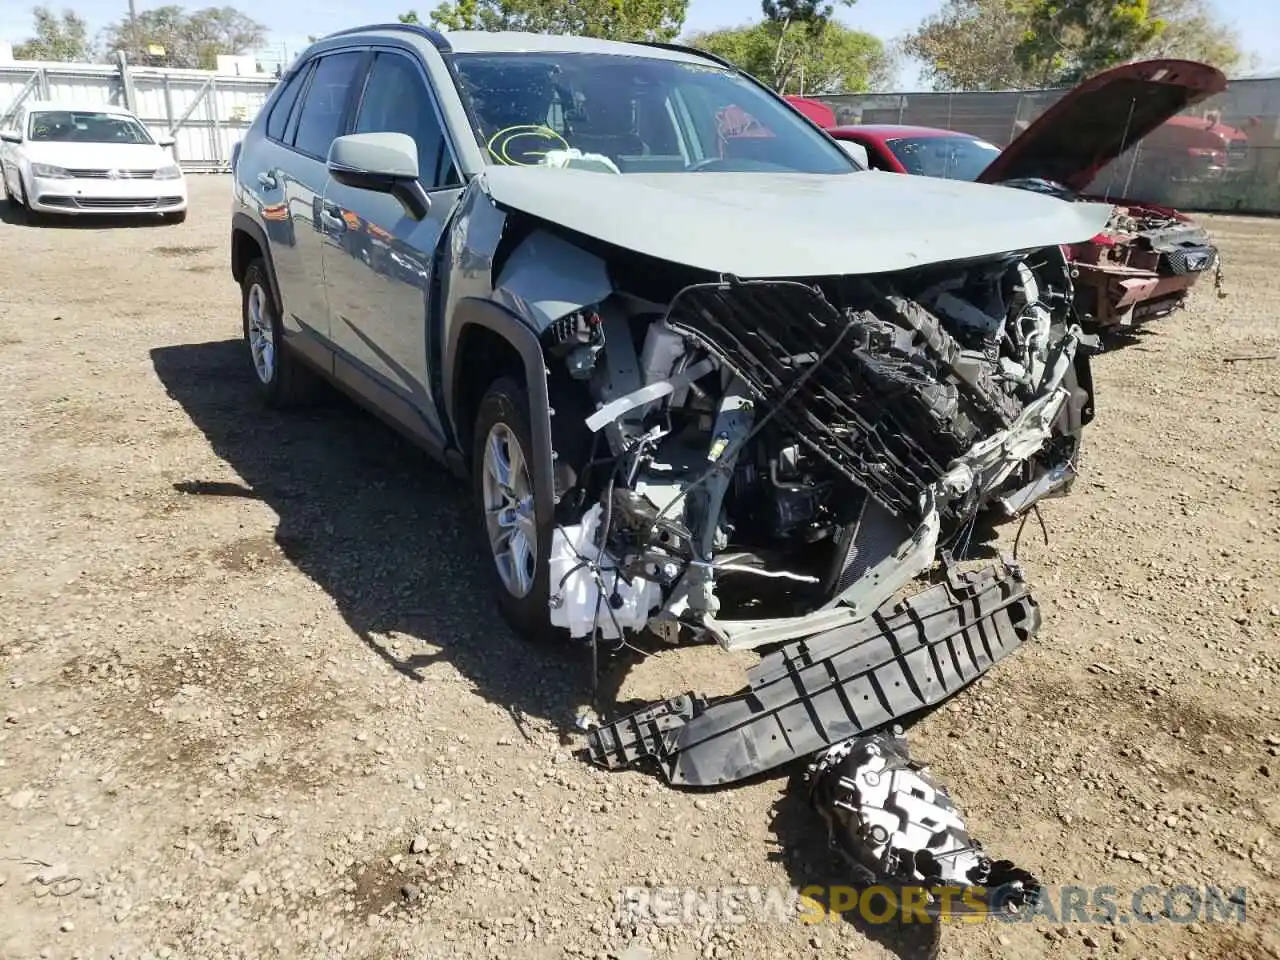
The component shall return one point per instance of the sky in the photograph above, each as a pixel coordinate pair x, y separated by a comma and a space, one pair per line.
290, 21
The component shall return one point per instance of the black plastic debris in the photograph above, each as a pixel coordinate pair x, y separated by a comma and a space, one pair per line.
845, 682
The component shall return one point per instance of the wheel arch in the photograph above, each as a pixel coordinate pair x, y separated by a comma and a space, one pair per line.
249, 242
487, 342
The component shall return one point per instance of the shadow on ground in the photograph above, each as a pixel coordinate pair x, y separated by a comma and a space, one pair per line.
381, 527
1121, 338
15, 215
387, 533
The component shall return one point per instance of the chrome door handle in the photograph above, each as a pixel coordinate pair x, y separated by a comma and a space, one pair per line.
268, 180
336, 224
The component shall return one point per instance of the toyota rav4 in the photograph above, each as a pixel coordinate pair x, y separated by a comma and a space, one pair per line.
707, 376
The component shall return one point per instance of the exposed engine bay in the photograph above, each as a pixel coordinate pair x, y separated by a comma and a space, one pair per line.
771, 459
1142, 266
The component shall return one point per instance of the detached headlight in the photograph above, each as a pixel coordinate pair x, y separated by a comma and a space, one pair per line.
171, 172
47, 171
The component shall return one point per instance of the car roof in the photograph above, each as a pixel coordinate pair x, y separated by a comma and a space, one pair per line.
891, 130
477, 41
512, 41
74, 107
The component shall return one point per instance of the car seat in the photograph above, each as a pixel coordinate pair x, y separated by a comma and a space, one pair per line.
606, 124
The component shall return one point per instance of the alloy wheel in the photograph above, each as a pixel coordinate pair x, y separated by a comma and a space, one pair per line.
510, 517
262, 339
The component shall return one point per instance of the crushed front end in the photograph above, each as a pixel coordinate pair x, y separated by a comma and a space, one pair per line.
764, 460
1141, 267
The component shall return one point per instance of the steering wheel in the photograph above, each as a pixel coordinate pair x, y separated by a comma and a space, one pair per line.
710, 164
504, 147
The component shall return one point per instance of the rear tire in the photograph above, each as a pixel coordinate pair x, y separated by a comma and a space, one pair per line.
281, 378
517, 538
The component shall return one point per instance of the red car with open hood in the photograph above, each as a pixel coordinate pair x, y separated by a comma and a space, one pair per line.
1148, 258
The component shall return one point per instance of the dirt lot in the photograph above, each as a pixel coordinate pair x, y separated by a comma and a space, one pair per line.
256, 704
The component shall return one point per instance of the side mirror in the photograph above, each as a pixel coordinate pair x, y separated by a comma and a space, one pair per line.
10, 136
382, 162
855, 150
165, 141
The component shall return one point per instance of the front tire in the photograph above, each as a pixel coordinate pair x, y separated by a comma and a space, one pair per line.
179, 217
20, 203
281, 379
517, 537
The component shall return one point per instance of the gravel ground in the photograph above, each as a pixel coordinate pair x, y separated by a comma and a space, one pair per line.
256, 702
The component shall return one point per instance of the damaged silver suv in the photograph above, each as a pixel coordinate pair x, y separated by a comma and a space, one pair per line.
707, 376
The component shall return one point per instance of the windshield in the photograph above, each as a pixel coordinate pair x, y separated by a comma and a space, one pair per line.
635, 114
76, 126
952, 158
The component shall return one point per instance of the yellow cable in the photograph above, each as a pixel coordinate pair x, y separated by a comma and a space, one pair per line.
516, 132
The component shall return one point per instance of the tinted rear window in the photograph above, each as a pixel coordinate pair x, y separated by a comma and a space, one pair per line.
325, 104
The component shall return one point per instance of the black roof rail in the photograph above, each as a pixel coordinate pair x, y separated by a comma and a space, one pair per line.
683, 48
435, 37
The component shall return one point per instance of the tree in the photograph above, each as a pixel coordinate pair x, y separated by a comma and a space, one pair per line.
192, 40
62, 37
799, 27
410, 17
1192, 32
799, 58
799, 48
1067, 40
607, 19
965, 46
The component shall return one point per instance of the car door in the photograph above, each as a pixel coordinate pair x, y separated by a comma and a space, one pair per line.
379, 260
292, 185
260, 177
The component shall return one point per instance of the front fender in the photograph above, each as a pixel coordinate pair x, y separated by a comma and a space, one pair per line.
470, 312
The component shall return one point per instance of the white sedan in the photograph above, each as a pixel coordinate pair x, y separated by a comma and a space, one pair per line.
71, 159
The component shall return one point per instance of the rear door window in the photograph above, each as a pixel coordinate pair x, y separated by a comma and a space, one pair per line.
279, 118
324, 107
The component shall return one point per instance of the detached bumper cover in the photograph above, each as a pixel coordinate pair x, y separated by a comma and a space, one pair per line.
841, 683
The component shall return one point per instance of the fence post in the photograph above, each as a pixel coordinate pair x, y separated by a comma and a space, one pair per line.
126, 82
216, 124
168, 114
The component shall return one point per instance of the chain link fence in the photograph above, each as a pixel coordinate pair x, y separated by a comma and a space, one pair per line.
1223, 155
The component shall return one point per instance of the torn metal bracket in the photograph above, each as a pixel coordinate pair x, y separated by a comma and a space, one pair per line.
840, 683
855, 603
1055, 482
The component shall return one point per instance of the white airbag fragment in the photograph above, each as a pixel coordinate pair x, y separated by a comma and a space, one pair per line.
573, 157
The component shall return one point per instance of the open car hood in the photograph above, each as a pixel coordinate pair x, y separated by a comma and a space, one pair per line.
1101, 118
793, 225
